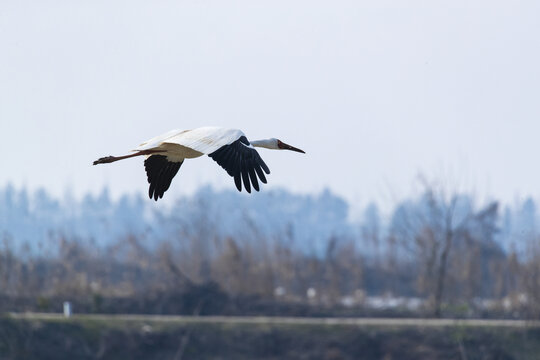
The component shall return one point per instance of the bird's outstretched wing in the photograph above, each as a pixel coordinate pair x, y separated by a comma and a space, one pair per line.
204, 140
228, 147
242, 162
160, 173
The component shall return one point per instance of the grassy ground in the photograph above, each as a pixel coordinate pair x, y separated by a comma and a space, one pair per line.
120, 337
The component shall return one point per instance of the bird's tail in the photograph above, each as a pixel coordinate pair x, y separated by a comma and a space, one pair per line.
110, 159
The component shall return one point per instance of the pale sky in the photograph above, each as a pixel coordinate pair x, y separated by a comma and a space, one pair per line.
375, 92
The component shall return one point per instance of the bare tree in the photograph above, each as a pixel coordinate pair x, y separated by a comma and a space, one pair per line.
433, 228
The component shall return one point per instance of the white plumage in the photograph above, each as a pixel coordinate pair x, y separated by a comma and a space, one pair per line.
205, 140
228, 147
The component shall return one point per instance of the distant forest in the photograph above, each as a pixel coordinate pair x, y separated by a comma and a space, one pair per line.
275, 252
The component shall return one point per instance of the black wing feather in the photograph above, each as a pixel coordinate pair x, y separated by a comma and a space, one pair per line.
245, 175
242, 162
253, 178
160, 173
260, 174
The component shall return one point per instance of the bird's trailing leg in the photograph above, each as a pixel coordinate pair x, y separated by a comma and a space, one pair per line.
110, 159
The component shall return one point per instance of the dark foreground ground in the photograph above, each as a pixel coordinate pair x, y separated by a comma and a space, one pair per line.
37, 336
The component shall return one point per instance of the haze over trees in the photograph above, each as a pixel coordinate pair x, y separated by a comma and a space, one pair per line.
438, 253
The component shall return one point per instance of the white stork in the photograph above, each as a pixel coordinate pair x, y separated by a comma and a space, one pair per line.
228, 147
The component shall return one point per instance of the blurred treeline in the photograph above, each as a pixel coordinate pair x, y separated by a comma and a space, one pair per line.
439, 254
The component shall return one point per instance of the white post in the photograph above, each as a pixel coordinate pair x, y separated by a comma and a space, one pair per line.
67, 309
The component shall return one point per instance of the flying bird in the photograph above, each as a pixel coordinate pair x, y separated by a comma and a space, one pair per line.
228, 147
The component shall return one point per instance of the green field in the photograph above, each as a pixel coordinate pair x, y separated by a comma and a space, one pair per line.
42, 336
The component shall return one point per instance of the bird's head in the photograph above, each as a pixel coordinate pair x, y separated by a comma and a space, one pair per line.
275, 144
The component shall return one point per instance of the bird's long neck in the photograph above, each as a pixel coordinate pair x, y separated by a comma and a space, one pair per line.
265, 143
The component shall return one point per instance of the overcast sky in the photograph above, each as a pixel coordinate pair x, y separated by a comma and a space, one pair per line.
375, 92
